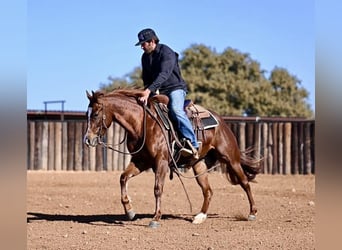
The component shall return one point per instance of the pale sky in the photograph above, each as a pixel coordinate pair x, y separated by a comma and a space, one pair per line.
74, 46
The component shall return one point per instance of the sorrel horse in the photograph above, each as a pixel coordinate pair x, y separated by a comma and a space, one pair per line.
149, 147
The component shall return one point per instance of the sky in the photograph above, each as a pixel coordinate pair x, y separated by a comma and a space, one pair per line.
74, 46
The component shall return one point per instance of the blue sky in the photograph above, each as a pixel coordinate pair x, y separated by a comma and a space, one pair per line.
74, 46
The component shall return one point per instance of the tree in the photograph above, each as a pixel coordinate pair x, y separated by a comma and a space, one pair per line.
221, 82
289, 96
232, 83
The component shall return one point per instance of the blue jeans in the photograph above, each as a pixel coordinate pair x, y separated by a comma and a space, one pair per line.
179, 117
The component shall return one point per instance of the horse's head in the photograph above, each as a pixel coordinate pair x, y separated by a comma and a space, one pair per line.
97, 119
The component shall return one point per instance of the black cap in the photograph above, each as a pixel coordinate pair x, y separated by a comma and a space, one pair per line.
146, 35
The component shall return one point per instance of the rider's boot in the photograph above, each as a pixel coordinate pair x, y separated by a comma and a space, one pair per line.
189, 150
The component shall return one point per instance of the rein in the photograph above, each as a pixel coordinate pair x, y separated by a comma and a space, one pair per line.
106, 145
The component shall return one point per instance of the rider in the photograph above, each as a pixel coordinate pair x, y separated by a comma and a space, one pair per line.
161, 72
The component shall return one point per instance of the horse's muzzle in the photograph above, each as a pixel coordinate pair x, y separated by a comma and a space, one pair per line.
91, 141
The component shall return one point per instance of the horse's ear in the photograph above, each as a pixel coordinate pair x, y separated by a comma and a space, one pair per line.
88, 95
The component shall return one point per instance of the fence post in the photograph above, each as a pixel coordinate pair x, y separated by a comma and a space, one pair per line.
270, 148
58, 146
287, 148
110, 140
294, 151
280, 149
264, 149
65, 145
31, 144
242, 138
51, 147
71, 146
78, 146
99, 158
45, 145
275, 167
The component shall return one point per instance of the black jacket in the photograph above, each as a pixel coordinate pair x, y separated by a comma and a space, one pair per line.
160, 70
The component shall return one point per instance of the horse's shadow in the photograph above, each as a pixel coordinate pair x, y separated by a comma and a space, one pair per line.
114, 219
109, 219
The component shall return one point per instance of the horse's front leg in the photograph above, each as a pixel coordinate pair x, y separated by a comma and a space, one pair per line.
202, 179
160, 174
130, 172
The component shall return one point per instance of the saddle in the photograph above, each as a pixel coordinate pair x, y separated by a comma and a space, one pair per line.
200, 118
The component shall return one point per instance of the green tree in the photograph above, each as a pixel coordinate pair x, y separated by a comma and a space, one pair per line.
232, 83
221, 82
289, 97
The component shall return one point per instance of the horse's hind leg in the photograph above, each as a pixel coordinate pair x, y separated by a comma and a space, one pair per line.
130, 172
203, 182
244, 183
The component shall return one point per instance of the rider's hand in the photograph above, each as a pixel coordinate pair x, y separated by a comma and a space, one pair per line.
143, 99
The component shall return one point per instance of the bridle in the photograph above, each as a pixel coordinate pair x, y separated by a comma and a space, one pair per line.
106, 145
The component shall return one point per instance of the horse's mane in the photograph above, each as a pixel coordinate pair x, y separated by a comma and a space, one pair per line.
121, 91
126, 91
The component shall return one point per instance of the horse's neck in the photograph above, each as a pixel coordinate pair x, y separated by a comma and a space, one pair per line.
129, 116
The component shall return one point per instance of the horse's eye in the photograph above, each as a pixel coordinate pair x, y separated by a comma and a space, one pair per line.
96, 114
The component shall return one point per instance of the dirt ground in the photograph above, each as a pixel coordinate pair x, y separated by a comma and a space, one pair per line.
82, 210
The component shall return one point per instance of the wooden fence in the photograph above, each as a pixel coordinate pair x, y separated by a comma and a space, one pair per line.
287, 145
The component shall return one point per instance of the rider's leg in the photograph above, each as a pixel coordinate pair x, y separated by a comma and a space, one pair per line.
179, 117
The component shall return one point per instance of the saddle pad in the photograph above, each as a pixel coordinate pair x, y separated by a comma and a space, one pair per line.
198, 113
209, 122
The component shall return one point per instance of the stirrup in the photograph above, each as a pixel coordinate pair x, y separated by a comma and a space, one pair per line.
189, 152
192, 148
186, 152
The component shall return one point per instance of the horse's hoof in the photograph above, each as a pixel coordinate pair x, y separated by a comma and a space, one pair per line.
251, 217
154, 224
130, 215
200, 218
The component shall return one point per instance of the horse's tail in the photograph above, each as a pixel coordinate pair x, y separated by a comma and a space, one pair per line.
250, 164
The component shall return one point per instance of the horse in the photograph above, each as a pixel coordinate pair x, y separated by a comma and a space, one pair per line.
149, 148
